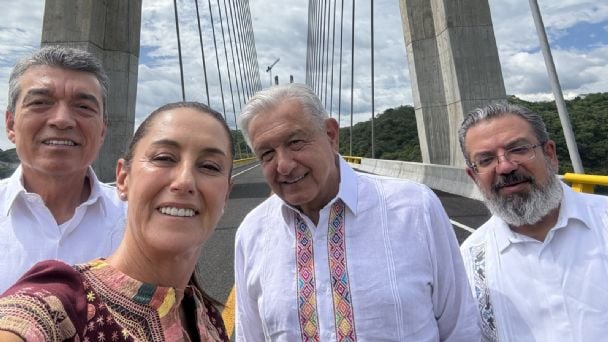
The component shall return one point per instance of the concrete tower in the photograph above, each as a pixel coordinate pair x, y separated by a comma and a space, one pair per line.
110, 30
454, 68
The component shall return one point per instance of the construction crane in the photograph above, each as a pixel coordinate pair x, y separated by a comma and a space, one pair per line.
269, 69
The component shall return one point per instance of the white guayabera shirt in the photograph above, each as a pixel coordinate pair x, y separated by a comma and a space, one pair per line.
556, 290
403, 277
29, 232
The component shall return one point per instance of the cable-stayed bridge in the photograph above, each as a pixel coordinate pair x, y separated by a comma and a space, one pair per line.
453, 62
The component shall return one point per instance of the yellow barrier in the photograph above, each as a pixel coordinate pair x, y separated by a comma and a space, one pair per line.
585, 183
353, 160
243, 161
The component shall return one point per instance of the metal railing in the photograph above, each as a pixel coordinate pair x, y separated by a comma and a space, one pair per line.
585, 183
454, 180
237, 162
352, 159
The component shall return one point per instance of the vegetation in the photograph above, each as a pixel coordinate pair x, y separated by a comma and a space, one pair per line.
241, 150
589, 120
396, 133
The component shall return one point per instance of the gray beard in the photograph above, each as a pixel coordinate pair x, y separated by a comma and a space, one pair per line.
526, 208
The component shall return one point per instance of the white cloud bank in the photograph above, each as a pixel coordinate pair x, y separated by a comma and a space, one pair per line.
280, 29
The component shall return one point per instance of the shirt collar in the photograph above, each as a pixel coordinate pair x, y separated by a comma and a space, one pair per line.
348, 186
347, 190
15, 188
570, 208
503, 234
96, 192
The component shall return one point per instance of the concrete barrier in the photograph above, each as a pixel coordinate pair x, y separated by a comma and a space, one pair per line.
450, 179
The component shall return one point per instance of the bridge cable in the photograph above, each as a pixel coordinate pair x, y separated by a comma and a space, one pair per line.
219, 7
372, 45
246, 49
246, 52
217, 58
320, 51
311, 30
200, 37
232, 47
256, 74
307, 78
242, 72
340, 72
316, 48
352, 77
327, 51
323, 64
239, 50
179, 51
333, 53
244, 57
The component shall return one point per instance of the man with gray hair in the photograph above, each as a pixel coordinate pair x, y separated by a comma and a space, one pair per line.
336, 255
539, 266
53, 206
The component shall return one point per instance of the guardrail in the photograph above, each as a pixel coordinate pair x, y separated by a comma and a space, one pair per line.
243, 161
352, 159
585, 183
454, 179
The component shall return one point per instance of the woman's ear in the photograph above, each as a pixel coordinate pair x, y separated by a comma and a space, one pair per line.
122, 179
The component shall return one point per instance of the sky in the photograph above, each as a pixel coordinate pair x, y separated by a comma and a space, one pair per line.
577, 30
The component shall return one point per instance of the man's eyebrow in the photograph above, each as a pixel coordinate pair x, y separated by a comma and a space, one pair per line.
517, 142
46, 92
87, 96
36, 91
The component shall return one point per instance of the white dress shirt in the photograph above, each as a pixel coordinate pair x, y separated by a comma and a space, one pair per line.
556, 290
29, 232
406, 276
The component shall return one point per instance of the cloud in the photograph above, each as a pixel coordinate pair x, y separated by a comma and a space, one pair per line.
281, 31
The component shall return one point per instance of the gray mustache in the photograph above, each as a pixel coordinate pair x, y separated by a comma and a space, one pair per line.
511, 178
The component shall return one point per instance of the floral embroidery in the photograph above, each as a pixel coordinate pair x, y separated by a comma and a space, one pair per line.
482, 293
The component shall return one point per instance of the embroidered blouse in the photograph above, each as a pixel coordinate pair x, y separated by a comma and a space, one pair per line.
96, 302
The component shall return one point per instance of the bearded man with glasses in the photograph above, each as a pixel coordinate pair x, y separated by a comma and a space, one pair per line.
539, 266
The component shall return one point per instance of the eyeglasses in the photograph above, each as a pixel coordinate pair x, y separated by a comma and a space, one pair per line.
515, 155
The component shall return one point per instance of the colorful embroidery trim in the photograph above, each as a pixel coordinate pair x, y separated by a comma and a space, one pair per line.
307, 301
336, 246
341, 295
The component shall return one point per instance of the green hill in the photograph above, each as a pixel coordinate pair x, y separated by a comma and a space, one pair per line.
396, 133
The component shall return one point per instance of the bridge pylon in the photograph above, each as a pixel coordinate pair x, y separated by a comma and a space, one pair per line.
454, 68
109, 29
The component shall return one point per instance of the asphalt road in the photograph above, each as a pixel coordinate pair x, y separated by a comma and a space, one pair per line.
250, 189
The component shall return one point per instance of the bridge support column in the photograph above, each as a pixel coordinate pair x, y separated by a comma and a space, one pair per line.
110, 30
454, 67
